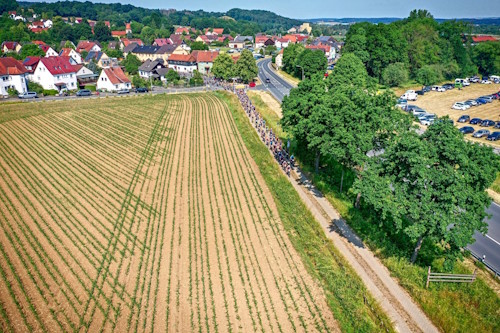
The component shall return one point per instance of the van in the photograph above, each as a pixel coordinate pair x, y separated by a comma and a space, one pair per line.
462, 83
409, 95
29, 94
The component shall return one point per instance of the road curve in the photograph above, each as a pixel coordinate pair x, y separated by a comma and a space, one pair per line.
277, 86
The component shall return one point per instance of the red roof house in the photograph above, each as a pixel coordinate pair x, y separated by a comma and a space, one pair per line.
480, 39
11, 66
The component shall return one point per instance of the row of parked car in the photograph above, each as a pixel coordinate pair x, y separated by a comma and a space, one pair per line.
481, 133
82, 93
475, 102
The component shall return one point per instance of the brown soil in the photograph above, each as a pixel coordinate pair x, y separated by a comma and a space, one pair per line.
143, 215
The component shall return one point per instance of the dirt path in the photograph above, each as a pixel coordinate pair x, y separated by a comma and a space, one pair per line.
398, 304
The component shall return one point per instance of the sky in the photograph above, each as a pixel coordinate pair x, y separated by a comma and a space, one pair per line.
304, 9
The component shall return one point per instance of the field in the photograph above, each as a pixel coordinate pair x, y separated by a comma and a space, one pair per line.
440, 103
143, 214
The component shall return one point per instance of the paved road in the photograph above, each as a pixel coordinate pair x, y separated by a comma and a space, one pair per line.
278, 87
488, 245
156, 91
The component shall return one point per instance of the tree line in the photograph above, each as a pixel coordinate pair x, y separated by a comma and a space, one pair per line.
421, 49
421, 189
300, 61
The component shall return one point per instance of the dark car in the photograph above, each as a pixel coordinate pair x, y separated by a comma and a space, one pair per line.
487, 123
268, 80
84, 92
463, 119
497, 125
448, 86
487, 98
426, 88
141, 90
495, 95
420, 92
480, 101
467, 129
476, 121
493, 136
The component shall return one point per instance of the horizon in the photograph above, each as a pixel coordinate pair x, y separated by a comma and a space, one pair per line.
355, 9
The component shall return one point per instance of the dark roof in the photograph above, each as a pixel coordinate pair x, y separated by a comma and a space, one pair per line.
146, 49
149, 65
167, 49
130, 47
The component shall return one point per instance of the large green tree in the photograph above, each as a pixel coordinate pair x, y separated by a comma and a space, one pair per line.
395, 74
223, 67
311, 63
431, 187
487, 57
31, 50
131, 63
246, 67
101, 32
6, 5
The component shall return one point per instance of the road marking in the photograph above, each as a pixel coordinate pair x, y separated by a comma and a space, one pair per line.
493, 240
493, 202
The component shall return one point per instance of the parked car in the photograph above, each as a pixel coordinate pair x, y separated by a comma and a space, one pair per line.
83, 92
467, 129
420, 92
497, 125
493, 136
463, 82
463, 119
471, 102
411, 108
410, 95
474, 79
475, 121
487, 98
141, 90
418, 111
485, 82
448, 86
481, 101
438, 88
27, 95
487, 123
123, 91
402, 103
496, 95
460, 106
427, 121
426, 88
480, 133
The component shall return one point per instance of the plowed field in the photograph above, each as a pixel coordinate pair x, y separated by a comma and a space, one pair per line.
142, 215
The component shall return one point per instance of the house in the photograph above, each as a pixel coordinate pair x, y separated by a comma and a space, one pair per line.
279, 59
124, 42
113, 45
158, 52
328, 50
484, 38
223, 38
149, 69
215, 31
101, 59
263, 41
47, 24
113, 79
30, 64
87, 46
84, 75
63, 44
207, 39
282, 43
11, 47
118, 34
305, 27
162, 41
184, 64
182, 30
13, 75
205, 60
55, 73
68, 52
49, 52
240, 42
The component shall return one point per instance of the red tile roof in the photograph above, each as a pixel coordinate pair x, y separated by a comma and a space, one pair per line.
128, 26
324, 48
58, 65
115, 75
11, 66
205, 56
182, 57
217, 31
291, 38
181, 30
31, 61
11, 46
127, 41
65, 52
85, 45
116, 33
162, 41
479, 39
39, 42
44, 47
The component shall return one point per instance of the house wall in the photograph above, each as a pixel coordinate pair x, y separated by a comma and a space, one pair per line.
202, 67
236, 45
183, 69
76, 56
103, 83
279, 60
43, 77
17, 82
51, 53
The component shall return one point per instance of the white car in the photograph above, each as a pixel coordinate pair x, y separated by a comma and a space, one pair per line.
409, 95
486, 82
460, 106
427, 121
438, 88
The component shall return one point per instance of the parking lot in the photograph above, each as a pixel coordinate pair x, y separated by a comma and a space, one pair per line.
440, 103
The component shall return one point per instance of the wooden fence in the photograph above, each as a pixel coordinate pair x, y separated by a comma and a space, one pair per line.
444, 277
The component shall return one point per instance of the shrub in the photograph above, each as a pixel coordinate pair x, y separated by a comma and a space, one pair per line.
90, 87
395, 74
429, 74
12, 92
50, 92
35, 87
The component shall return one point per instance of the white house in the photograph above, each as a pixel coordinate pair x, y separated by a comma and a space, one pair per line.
279, 59
49, 52
182, 64
48, 24
69, 52
113, 79
55, 73
12, 75
282, 43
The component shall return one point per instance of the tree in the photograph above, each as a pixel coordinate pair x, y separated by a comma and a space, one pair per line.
290, 55
102, 32
138, 81
428, 75
148, 35
486, 56
31, 50
349, 71
431, 186
223, 67
303, 114
197, 79
246, 67
6, 5
131, 63
311, 63
395, 74
199, 46
172, 76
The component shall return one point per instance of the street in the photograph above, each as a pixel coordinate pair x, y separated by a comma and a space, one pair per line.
487, 245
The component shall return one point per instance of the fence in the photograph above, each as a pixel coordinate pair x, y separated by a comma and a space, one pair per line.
444, 277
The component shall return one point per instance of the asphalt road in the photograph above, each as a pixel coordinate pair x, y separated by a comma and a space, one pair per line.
487, 245
277, 86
